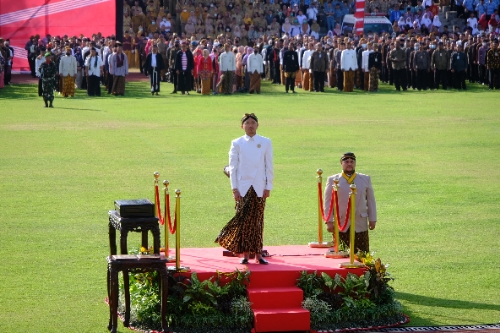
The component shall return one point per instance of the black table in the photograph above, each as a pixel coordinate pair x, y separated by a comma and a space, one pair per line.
134, 263
126, 225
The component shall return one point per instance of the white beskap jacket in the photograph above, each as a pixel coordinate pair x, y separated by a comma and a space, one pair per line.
251, 164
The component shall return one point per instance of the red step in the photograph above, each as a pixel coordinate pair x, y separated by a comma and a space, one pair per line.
281, 320
275, 298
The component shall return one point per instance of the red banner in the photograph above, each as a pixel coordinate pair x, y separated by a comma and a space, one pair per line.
20, 19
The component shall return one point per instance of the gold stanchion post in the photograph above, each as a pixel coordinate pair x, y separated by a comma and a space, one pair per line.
352, 263
178, 268
320, 243
165, 219
334, 253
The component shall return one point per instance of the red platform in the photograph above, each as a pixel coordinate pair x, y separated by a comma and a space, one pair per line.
276, 301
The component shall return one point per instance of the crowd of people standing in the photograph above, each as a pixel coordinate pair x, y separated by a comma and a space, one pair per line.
227, 62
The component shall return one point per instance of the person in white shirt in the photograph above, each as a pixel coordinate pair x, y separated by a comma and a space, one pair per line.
364, 65
472, 22
255, 67
67, 70
312, 13
38, 62
93, 71
305, 63
227, 67
301, 17
251, 175
348, 65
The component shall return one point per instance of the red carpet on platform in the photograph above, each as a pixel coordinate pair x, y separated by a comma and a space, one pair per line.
276, 300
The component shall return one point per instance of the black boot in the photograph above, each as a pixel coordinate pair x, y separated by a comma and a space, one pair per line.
46, 104
50, 105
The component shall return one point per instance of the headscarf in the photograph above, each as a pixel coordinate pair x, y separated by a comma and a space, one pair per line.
401, 22
425, 21
436, 22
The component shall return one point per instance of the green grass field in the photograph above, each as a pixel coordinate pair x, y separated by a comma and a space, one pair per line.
433, 156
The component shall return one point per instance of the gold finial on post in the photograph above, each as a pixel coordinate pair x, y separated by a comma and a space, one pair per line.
320, 243
156, 174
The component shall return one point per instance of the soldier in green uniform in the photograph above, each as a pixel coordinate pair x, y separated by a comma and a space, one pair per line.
48, 71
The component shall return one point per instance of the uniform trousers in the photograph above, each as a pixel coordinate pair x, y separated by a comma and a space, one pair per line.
154, 80
421, 79
289, 81
94, 86
340, 79
481, 74
184, 81
319, 81
460, 79
399, 78
440, 77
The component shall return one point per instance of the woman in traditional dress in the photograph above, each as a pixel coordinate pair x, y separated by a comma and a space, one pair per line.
205, 71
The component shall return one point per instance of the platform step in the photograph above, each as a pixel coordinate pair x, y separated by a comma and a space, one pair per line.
281, 320
274, 298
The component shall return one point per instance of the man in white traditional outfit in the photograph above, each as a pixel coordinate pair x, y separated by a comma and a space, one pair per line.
251, 175
348, 65
68, 70
366, 207
364, 65
255, 67
227, 68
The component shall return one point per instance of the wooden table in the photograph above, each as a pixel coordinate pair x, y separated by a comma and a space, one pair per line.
134, 263
126, 225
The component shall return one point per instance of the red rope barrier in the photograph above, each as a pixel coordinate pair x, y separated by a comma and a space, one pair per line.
321, 204
343, 227
158, 208
160, 216
170, 228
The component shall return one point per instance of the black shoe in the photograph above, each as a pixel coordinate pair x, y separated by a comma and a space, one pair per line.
293, 92
174, 92
50, 105
156, 93
262, 261
152, 93
244, 261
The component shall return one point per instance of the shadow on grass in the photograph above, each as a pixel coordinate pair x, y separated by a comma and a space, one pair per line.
441, 303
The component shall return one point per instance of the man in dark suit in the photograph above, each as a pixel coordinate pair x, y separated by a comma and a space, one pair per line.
154, 65
184, 65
